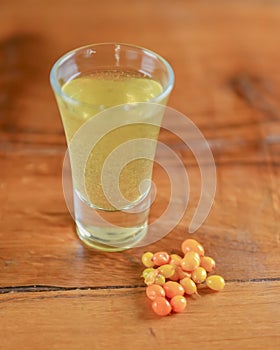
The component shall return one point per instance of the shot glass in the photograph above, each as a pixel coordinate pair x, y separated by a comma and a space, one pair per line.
111, 98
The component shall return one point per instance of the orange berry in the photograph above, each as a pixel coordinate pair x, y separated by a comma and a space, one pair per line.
160, 258
175, 277
153, 291
178, 303
161, 306
179, 274
182, 274
199, 275
190, 262
188, 285
191, 245
208, 263
172, 289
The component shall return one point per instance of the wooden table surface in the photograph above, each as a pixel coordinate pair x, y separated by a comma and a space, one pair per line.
56, 294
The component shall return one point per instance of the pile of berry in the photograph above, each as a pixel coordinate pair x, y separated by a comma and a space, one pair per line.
169, 277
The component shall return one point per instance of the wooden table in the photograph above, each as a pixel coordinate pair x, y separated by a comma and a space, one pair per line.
56, 294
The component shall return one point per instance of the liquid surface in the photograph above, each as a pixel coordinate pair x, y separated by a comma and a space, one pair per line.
111, 88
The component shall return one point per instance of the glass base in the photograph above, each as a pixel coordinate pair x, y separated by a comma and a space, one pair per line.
118, 240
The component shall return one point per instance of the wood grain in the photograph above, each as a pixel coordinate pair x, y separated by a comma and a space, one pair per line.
226, 61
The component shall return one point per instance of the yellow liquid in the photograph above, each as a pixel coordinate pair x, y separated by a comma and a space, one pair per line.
99, 91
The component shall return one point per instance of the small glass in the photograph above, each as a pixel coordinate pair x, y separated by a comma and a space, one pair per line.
109, 97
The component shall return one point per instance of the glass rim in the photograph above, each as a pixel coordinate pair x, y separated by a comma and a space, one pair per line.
58, 90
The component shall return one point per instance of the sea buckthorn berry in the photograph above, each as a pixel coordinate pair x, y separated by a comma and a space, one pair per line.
199, 275
151, 276
147, 271
175, 259
166, 270
147, 259
175, 277
215, 282
172, 289
161, 306
160, 258
191, 245
182, 274
207, 263
190, 262
153, 291
189, 286
160, 280
178, 303
179, 274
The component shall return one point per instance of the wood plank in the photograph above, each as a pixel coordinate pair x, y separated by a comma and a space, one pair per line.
232, 319
45, 249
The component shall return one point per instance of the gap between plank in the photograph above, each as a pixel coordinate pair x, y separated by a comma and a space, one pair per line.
47, 288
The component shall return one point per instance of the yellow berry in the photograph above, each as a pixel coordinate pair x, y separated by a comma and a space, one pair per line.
166, 270
215, 282
191, 245
147, 259
178, 303
199, 275
175, 259
188, 285
151, 276
207, 263
190, 261
173, 288
147, 271
160, 280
